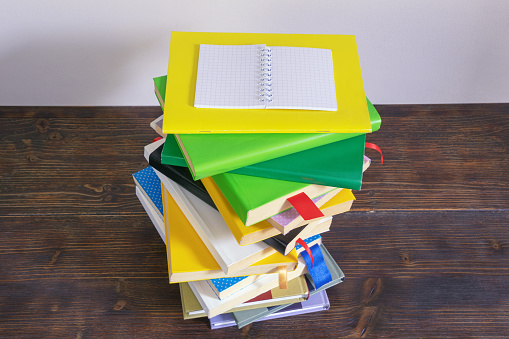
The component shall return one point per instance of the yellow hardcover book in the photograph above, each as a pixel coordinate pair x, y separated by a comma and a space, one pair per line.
180, 115
189, 258
341, 197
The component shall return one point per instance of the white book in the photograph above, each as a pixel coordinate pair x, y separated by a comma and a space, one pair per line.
213, 306
148, 149
259, 76
154, 217
214, 232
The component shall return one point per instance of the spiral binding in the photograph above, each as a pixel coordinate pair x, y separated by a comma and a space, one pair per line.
266, 75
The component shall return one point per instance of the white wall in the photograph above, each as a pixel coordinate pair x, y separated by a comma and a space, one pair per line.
106, 52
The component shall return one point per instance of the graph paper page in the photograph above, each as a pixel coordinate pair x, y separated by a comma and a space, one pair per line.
228, 77
303, 78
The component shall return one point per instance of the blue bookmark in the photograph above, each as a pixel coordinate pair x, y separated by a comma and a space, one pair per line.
320, 273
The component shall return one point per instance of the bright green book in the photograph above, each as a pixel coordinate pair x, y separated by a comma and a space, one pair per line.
336, 164
255, 199
210, 154
160, 89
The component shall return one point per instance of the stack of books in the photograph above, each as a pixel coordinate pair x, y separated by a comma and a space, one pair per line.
261, 143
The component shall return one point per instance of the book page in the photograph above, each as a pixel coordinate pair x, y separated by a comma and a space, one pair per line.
302, 78
228, 77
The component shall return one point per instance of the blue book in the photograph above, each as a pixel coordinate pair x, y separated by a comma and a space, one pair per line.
150, 185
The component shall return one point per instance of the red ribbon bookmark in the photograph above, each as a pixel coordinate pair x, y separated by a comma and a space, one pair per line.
155, 139
305, 206
375, 147
308, 250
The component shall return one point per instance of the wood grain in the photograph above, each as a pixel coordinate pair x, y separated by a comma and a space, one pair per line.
424, 248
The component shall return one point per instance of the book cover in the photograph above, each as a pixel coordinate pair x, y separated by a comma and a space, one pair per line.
224, 287
256, 151
189, 259
150, 185
160, 90
244, 318
213, 231
297, 291
255, 199
182, 117
286, 243
316, 303
213, 306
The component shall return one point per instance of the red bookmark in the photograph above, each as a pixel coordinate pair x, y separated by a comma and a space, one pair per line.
375, 147
305, 206
155, 139
308, 250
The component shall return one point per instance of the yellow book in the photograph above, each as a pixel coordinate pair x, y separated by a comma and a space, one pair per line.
180, 115
189, 258
245, 235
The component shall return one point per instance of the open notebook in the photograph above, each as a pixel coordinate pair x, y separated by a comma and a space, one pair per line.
258, 76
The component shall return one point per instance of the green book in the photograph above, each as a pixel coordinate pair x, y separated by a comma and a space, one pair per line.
210, 154
255, 199
338, 164
246, 317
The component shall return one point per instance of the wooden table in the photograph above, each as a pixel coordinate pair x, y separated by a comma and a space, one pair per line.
425, 248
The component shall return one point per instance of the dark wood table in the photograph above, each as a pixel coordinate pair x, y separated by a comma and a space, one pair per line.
425, 248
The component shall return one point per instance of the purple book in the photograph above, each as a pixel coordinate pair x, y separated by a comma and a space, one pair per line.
315, 303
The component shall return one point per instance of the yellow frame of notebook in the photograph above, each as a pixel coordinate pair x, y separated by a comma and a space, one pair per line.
180, 115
